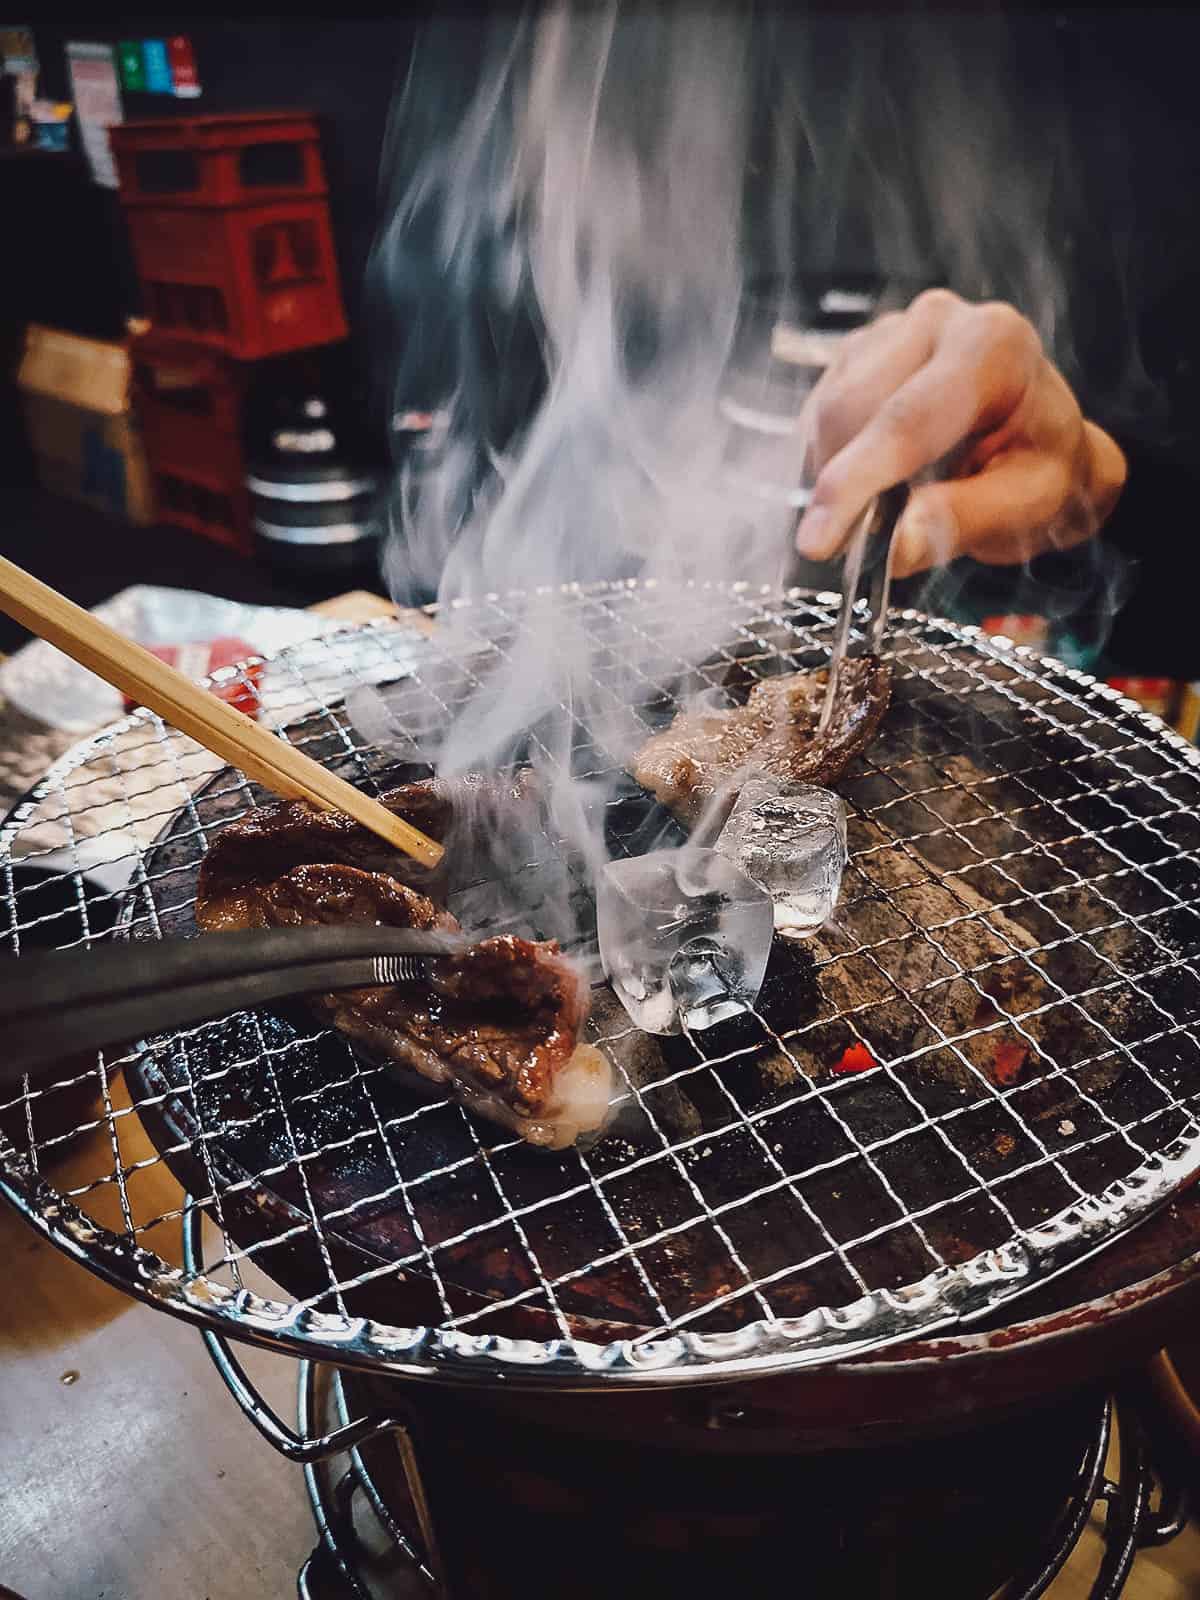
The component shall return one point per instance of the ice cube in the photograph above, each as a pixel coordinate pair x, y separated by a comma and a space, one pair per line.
791, 839
684, 937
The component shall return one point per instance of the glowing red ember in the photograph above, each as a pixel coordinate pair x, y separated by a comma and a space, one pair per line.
1009, 1058
855, 1058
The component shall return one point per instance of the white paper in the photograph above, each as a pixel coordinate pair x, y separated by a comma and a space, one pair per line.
97, 99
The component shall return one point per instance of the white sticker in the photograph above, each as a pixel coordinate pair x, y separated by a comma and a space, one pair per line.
97, 106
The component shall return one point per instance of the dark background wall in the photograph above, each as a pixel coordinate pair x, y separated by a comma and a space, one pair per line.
1126, 79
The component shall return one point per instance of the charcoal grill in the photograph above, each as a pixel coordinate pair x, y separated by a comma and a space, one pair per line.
987, 1072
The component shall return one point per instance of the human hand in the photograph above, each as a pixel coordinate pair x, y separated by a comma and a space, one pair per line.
968, 389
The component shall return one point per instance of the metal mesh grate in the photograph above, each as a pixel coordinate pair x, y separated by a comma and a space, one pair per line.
987, 1067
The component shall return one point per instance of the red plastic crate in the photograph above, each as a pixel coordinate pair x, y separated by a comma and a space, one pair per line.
172, 445
189, 402
236, 159
191, 378
257, 282
206, 503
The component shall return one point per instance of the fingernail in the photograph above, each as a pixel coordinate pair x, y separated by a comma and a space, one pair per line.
813, 533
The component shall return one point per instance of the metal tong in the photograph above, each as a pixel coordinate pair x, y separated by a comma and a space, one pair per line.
57, 1002
873, 531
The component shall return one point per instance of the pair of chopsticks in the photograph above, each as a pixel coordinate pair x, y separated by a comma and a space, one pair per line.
221, 728
877, 523
56, 1002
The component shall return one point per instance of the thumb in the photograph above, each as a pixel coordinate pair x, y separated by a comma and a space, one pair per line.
1000, 514
927, 534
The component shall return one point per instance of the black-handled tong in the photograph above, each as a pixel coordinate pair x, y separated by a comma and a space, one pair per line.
57, 1002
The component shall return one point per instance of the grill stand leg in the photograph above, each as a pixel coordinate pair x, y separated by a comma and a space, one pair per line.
332, 1570
1088, 1487
1128, 1505
1131, 1523
420, 1500
330, 1561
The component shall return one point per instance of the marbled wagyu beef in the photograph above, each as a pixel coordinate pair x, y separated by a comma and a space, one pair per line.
498, 1024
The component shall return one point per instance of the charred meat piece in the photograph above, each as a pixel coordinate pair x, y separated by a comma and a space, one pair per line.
249, 854
705, 753
499, 1025
315, 893
292, 833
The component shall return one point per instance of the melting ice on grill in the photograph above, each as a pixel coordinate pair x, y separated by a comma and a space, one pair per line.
685, 934
791, 839
684, 937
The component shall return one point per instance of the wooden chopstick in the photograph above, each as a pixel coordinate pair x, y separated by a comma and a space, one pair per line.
219, 727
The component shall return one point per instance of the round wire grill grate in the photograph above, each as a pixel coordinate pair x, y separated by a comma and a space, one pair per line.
986, 1072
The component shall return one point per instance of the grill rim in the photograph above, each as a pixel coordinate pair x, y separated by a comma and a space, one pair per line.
944, 1298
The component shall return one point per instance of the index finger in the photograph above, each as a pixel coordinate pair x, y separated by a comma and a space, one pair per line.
953, 396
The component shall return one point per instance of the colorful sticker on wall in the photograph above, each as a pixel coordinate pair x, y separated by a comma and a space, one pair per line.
156, 66
133, 70
183, 67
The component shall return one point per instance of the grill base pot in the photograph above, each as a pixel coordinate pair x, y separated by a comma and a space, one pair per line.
508, 1510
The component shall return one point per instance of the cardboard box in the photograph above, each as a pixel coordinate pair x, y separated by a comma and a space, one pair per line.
1187, 718
76, 398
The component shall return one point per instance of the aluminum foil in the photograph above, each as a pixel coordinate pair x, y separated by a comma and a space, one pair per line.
48, 685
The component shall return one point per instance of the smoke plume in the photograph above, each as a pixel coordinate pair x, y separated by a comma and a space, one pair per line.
579, 217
